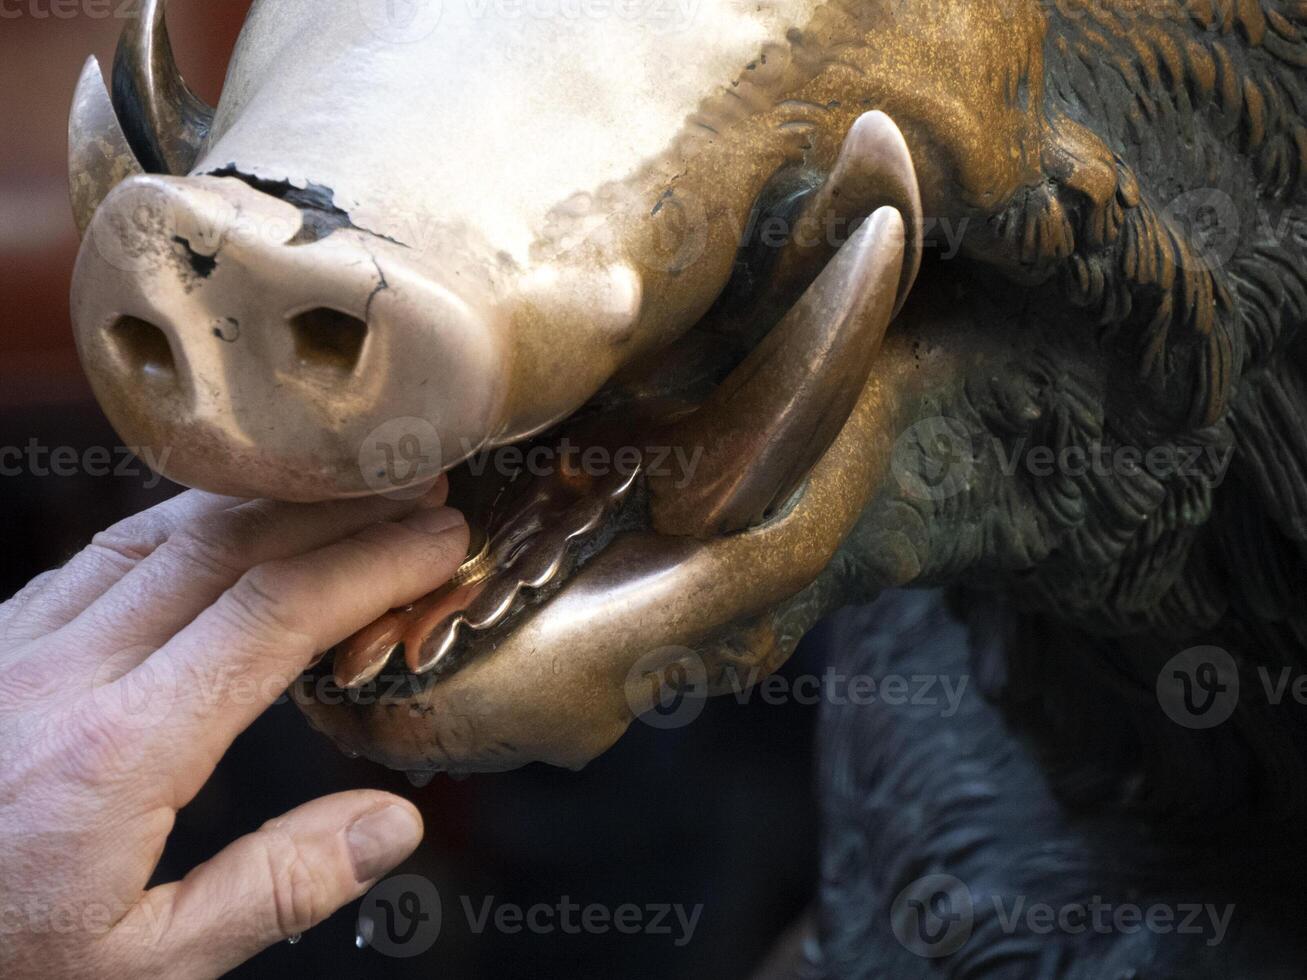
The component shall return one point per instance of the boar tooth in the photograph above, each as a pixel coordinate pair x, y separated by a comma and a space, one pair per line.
361, 658
436, 647
874, 169
428, 636
542, 560
764, 428
494, 603
538, 559
357, 665
99, 156
585, 516
165, 122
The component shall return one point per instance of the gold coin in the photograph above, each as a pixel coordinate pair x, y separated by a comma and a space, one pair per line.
477, 565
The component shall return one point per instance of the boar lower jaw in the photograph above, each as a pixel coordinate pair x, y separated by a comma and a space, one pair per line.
755, 526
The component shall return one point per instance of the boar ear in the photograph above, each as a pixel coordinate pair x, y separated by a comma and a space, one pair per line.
774, 417
99, 157
165, 122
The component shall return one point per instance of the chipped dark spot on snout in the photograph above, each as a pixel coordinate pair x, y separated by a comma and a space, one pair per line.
228, 330
320, 216
382, 285
202, 265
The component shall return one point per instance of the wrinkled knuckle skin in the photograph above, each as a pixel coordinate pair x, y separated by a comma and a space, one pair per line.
388, 541
133, 540
26, 683
204, 550
118, 544
114, 557
272, 600
28, 591
369, 555
12, 627
452, 547
93, 745
298, 894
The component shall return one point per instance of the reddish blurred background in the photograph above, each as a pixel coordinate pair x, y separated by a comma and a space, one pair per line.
43, 44
718, 814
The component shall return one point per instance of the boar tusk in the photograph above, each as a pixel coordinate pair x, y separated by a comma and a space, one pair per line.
874, 170
165, 122
775, 416
99, 156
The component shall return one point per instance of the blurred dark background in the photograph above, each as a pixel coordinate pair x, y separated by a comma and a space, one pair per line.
719, 813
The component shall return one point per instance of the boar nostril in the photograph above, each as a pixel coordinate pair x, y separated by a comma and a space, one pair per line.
328, 338
144, 347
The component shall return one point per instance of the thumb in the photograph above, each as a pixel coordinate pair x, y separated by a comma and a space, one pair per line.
277, 882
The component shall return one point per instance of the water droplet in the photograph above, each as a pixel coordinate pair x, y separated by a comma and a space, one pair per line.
363, 935
421, 778
295, 938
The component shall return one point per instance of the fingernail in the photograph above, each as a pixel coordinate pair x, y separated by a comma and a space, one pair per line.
380, 840
435, 521
436, 495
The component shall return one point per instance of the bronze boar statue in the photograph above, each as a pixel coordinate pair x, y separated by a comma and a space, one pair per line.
723, 316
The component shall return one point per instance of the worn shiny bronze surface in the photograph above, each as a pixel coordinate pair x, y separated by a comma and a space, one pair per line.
767, 424
99, 157
351, 281
166, 123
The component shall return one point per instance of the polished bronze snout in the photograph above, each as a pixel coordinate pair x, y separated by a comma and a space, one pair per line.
259, 359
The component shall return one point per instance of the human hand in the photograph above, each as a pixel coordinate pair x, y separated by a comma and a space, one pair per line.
124, 677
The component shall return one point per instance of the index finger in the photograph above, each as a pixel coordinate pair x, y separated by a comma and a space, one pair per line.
63, 593
242, 653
